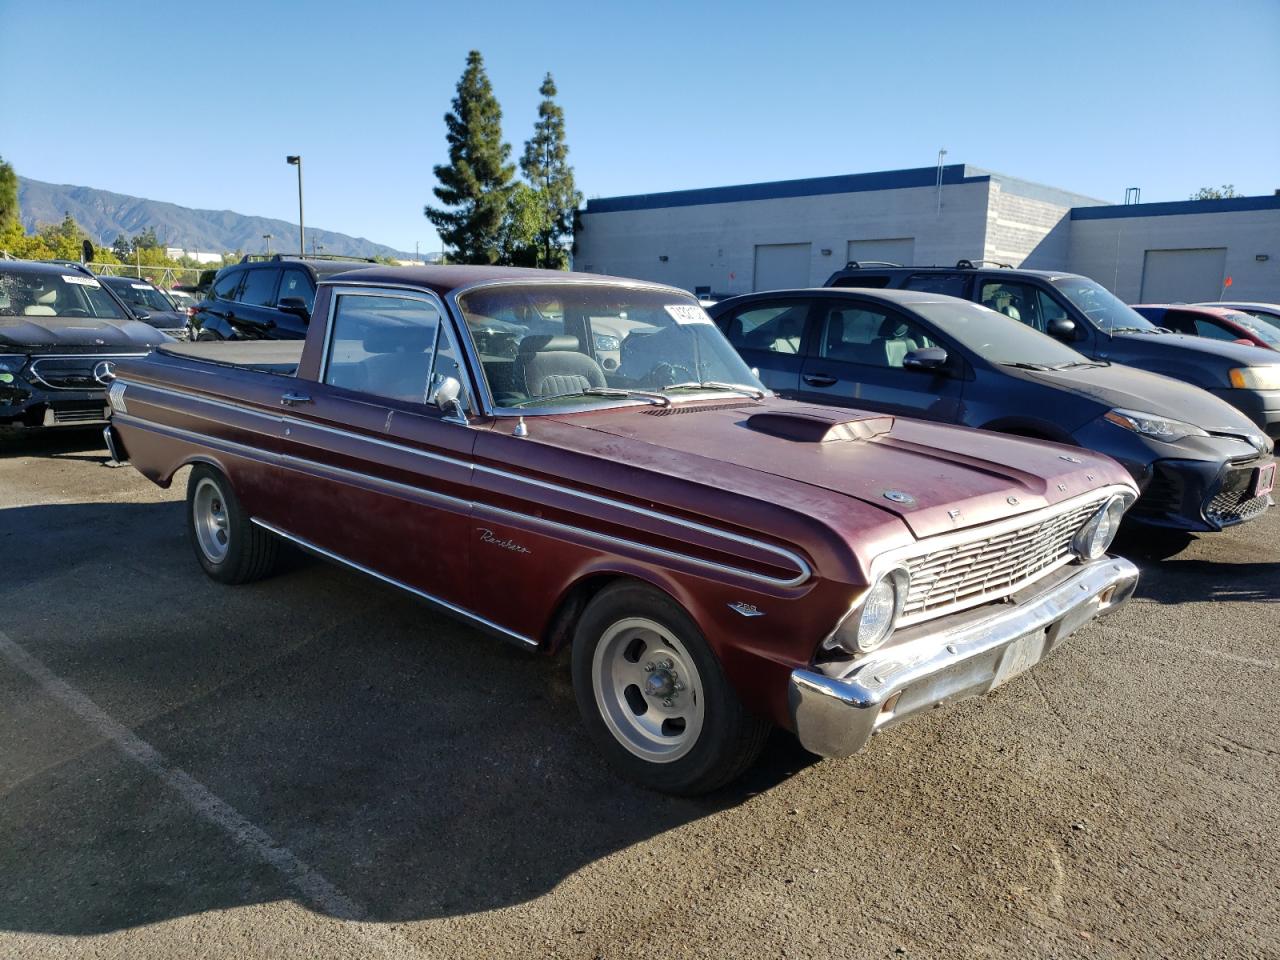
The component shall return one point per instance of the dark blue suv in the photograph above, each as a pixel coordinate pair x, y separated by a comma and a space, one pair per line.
1201, 464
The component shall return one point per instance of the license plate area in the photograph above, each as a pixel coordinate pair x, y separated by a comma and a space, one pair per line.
1020, 656
1264, 480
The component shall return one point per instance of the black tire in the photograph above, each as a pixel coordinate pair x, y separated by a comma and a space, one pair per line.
248, 552
729, 738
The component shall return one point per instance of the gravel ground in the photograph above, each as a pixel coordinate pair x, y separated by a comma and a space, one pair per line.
319, 766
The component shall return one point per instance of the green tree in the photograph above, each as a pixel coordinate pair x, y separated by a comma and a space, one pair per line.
476, 184
520, 242
1216, 193
121, 247
545, 165
9, 212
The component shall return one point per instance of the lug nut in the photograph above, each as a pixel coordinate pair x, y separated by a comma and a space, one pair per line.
665, 664
648, 668
678, 686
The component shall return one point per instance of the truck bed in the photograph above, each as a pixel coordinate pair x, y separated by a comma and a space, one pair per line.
280, 357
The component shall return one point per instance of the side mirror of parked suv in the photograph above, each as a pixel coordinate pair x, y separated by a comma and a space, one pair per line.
295, 305
1062, 328
926, 358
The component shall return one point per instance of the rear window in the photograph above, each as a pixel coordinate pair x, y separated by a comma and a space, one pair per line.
867, 281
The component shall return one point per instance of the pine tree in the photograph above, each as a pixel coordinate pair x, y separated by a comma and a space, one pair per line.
475, 185
546, 166
9, 215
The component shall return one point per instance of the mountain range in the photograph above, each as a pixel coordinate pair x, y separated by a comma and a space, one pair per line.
105, 215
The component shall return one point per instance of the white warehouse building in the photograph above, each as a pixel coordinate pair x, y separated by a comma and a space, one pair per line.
795, 233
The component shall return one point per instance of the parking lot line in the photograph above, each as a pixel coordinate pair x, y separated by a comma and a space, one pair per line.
314, 888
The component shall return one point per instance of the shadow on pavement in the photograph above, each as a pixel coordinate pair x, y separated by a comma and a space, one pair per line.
422, 768
54, 442
1179, 581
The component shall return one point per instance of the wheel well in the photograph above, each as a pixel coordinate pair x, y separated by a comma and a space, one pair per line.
559, 632
1031, 430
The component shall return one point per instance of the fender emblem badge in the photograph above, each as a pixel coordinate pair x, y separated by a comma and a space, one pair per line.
953, 514
1012, 501
1062, 487
1068, 457
897, 496
746, 609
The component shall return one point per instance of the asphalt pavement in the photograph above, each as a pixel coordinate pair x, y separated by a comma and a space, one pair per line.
319, 766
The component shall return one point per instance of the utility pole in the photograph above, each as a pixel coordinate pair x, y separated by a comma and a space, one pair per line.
295, 160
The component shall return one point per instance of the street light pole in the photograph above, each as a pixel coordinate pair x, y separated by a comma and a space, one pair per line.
295, 160
267, 237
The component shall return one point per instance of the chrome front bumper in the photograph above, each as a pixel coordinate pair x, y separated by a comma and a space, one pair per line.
835, 716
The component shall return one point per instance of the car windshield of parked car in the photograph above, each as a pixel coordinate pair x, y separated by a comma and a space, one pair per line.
997, 338
557, 344
136, 293
1263, 331
46, 293
1108, 312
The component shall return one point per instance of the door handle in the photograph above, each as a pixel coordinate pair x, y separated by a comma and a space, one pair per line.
819, 380
291, 399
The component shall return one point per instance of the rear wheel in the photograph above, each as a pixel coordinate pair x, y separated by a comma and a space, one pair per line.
654, 697
227, 545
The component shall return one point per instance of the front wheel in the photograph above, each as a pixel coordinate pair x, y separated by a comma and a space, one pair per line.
653, 695
227, 545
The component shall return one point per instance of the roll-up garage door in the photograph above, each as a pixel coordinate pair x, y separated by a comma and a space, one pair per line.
1183, 276
781, 265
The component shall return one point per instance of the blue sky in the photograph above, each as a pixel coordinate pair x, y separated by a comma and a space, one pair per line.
198, 105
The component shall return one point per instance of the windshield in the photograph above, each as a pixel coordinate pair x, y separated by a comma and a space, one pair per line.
44, 293
136, 293
995, 337
1107, 311
548, 344
1263, 331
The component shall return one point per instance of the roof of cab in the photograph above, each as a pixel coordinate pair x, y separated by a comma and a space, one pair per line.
446, 279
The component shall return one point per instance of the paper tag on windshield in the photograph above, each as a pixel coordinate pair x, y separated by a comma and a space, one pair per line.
83, 281
687, 313
142, 286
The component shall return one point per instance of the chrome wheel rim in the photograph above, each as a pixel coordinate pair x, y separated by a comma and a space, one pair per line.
648, 690
209, 516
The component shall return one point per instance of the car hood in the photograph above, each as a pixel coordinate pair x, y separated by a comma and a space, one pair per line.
165, 319
952, 477
1127, 388
1211, 359
26, 333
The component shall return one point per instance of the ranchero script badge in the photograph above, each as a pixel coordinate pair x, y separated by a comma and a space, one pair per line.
488, 536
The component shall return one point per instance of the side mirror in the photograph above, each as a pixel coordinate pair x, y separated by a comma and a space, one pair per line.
86, 252
931, 359
140, 314
1062, 328
447, 398
296, 306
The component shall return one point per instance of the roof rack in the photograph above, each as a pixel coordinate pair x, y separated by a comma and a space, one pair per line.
276, 257
859, 264
974, 264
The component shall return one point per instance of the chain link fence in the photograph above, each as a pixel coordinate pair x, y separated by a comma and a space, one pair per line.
160, 276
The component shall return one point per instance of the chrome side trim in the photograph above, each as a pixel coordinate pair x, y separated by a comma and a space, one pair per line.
421, 594
301, 465
200, 398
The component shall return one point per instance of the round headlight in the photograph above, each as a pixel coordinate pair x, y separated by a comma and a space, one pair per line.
868, 625
1100, 530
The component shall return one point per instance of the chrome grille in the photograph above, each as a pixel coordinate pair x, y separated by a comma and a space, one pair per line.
974, 571
73, 371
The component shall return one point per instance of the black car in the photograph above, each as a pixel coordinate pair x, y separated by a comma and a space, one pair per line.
1202, 465
264, 298
148, 304
61, 332
1084, 314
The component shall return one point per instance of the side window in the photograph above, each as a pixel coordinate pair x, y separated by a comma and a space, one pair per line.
296, 283
1016, 300
260, 287
382, 346
1207, 328
225, 287
447, 364
1176, 321
866, 281
951, 284
1050, 309
867, 335
775, 327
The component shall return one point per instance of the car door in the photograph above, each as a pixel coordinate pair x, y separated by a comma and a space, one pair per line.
255, 315
769, 335
219, 306
386, 475
295, 282
856, 360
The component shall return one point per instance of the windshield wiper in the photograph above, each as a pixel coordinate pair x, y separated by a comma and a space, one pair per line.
1074, 364
1023, 365
754, 392
655, 398
1140, 330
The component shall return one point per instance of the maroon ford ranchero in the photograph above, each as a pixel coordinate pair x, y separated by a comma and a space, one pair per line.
567, 459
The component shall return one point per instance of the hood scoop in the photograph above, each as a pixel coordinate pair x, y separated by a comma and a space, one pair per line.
819, 425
